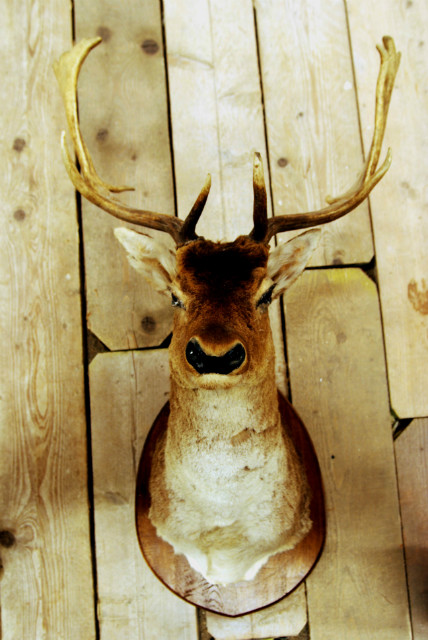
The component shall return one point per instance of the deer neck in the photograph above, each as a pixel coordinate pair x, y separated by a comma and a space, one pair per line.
210, 415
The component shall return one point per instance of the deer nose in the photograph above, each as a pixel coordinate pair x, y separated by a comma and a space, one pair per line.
204, 363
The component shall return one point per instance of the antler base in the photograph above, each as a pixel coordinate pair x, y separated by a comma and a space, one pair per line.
281, 574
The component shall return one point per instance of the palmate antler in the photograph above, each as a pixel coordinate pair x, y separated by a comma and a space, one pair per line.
92, 187
87, 182
265, 229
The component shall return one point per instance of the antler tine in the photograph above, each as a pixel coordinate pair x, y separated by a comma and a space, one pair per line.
67, 70
260, 201
87, 182
390, 61
370, 175
189, 225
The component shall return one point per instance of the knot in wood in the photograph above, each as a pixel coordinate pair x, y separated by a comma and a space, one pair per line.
150, 46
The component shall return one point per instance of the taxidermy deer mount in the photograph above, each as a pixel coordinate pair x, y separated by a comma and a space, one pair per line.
227, 487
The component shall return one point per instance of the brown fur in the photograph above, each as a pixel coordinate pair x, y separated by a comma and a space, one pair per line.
233, 419
227, 488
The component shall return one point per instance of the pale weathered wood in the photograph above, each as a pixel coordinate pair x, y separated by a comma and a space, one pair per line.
193, 109
123, 110
311, 118
239, 110
127, 392
217, 119
411, 450
337, 371
399, 206
216, 109
46, 588
286, 618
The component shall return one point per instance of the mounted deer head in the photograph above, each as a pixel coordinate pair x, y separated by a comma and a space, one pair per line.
225, 452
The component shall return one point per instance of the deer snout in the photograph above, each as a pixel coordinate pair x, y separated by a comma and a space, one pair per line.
203, 362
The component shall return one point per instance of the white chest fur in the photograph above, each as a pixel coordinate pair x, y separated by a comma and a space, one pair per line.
227, 490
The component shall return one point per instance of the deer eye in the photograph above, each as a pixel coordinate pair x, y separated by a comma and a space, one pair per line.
176, 302
266, 298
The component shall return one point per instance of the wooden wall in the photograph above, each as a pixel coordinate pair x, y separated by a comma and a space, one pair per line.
178, 89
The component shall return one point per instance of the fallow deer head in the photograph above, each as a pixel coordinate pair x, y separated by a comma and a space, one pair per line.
221, 290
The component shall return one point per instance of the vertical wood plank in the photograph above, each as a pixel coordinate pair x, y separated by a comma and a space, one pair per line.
412, 466
191, 79
311, 118
46, 588
127, 392
216, 107
337, 372
399, 207
123, 112
285, 618
239, 109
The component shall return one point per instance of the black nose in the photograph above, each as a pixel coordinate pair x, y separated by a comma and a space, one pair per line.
204, 363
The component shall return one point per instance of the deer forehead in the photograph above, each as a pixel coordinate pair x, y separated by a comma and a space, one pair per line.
228, 268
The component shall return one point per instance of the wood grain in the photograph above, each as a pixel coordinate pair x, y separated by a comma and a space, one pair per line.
412, 469
127, 391
239, 110
399, 205
216, 109
46, 588
285, 618
337, 370
311, 119
123, 111
192, 90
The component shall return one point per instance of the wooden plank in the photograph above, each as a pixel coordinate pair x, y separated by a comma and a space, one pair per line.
216, 108
123, 110
339, 388
193, 109
399, 208
311, 118
127, 392
412, 467
239, 109
46, 589
286, 618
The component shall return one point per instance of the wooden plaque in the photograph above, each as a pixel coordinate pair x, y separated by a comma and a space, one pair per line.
281, 574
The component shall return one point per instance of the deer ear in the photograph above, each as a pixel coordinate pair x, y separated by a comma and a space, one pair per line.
154, 259
288, 260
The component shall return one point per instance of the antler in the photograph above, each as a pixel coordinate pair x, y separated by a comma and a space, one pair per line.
265, 229
87, 182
